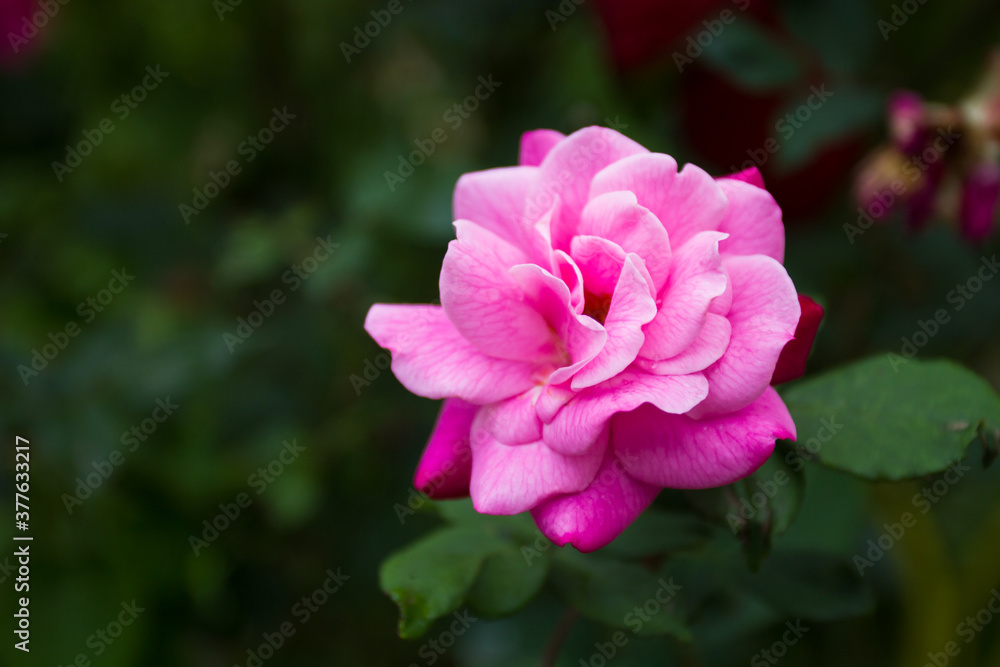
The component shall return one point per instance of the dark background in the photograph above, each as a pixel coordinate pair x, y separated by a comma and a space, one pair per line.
323, 176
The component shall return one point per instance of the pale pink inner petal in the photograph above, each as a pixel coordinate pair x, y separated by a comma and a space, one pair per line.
764, 314
697, 277
567, 171
485, 303
632, 306
707, 348
576, 425
618, 217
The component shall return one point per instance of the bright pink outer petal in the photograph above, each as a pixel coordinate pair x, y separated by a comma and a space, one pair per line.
749, 175
792, 362
446, 464
707, 348
581, 419
753, 221
535, 145
495, 199
686, 203
431, 359
511, 480
697, 277
618, 217
595, 516
678, 452
580, 337
511, 422
764, 315
485, 303
632, 306
566, 174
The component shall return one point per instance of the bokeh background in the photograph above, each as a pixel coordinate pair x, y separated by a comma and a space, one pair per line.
309, 374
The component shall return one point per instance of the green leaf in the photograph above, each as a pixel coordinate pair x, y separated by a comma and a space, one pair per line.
620, 595
657, 532
507, 582
889, 418
812, 585
750, 56
430, 579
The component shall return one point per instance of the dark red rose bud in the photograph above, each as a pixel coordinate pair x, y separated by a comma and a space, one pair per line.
792, 362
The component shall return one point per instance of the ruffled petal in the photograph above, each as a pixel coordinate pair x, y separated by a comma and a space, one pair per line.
513, 479
431, 359
577, 424
707, 348
485, 303
696, 279
764, 314
753, 221
631, 307
592, 518
686, 202
566, 174
535, 145
618, 217
678, 452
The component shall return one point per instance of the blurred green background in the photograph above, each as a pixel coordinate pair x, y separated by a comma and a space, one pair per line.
332, 505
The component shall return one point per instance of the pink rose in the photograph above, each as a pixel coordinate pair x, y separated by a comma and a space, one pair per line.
609, 326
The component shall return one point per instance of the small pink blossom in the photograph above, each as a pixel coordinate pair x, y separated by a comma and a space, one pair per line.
609, 326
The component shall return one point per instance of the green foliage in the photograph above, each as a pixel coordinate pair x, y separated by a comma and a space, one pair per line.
901, 418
